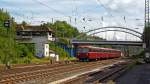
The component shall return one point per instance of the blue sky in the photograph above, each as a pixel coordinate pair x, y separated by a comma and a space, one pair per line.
112, 11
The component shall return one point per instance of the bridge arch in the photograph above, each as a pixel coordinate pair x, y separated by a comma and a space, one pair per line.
119, 31
115, 27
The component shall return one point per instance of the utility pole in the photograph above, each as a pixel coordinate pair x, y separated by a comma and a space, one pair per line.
52, 21
146, 38
146, 13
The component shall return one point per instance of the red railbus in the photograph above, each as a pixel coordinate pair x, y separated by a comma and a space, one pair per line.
87, 53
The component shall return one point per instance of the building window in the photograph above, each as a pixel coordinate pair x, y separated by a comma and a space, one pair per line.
46, 53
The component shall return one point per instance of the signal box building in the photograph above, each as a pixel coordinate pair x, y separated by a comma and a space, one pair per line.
38, 35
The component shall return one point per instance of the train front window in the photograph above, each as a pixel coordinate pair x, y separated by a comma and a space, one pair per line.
83, 50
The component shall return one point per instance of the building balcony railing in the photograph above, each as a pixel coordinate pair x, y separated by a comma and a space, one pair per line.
23, 37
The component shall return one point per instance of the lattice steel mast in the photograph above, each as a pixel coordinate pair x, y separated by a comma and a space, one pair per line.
146, 33
146, 38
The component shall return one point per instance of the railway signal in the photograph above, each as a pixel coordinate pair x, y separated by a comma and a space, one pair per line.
7, 23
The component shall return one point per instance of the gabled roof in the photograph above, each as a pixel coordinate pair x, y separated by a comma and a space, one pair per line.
33, 28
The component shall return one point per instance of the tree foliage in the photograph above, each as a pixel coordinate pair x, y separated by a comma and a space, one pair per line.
63, 29
10, 51
7, 44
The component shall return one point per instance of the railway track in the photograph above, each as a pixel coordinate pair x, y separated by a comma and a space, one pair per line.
49, 74
102, 76
32, 67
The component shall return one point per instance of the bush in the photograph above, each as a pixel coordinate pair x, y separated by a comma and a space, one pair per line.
40, 60
61, 52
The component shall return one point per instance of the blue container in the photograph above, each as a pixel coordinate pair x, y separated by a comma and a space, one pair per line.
69, 50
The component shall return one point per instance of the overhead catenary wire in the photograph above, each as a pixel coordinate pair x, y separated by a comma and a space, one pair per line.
102, 5
53, 9
108, 10
49, 7
41, 3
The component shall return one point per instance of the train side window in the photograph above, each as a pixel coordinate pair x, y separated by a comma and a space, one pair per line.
85, 50
100, 50
108, 51
94, 50
79, 50
90, 50
103, 51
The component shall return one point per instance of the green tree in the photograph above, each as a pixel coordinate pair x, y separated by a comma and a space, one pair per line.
7, 43
24, 23
63, 29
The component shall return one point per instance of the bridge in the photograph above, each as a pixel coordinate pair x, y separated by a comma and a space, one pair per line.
103, 42
80, 38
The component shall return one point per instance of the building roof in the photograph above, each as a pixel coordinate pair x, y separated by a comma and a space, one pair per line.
33, 28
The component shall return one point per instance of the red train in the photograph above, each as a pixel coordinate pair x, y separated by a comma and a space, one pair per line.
87, 53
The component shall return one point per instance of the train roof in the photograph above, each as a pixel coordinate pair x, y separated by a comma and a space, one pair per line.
101, 48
